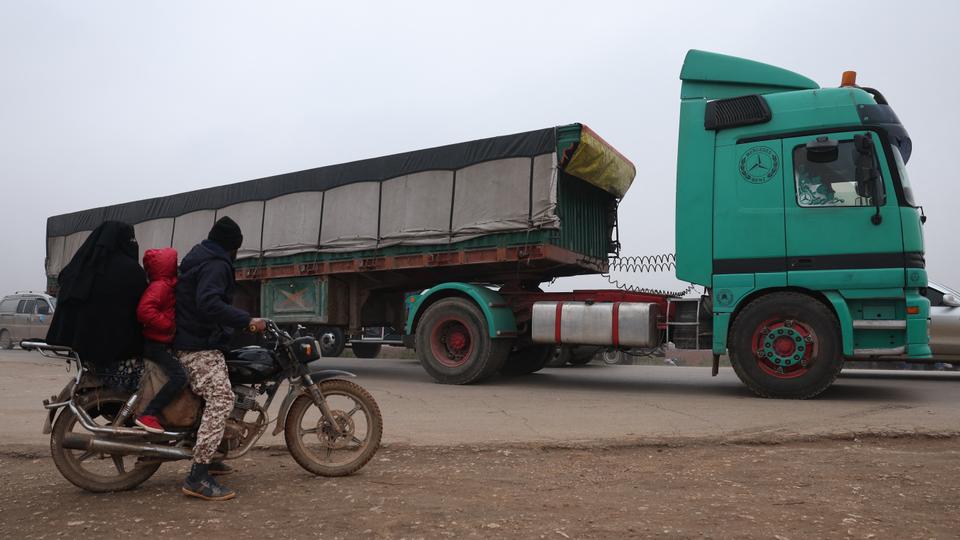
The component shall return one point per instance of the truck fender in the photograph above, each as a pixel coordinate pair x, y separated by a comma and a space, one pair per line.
845, 319
296, 389
501, 321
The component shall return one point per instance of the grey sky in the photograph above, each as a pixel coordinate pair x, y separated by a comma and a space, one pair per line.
108, 102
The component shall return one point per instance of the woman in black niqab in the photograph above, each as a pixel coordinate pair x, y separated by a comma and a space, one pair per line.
100, 288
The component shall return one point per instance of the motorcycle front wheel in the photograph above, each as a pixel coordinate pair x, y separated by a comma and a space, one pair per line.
96, 471
317, 447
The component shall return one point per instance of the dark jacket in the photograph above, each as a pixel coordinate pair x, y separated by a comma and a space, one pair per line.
156, 309
205, 318
97, 302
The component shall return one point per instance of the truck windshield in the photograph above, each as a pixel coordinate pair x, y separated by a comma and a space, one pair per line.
904, 177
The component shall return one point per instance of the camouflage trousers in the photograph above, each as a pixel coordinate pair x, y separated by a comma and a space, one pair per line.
207, 371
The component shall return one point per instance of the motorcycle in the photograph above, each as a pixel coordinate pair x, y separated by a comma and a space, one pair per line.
331, 426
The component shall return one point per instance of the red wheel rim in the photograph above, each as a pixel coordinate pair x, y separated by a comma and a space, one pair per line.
784, 348
452, 342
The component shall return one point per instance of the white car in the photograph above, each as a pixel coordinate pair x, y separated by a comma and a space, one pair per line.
25, 315
944, 322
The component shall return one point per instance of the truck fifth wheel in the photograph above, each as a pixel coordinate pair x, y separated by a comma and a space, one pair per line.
794, 212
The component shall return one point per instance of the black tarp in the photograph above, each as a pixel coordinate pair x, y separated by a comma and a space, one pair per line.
450, 157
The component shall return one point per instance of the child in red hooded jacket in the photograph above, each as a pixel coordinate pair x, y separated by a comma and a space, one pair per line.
157, 313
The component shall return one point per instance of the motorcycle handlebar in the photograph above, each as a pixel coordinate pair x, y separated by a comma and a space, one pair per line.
271, 328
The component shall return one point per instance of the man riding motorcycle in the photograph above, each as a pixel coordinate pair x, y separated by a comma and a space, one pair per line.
205, 320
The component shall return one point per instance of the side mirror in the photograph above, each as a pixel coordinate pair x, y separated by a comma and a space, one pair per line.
867, 173
822, 150
950, 300
865, 160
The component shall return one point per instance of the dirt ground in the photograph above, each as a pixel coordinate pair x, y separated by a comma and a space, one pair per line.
880, 488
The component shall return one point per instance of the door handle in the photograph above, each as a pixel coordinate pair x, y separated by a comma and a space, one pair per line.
801, 262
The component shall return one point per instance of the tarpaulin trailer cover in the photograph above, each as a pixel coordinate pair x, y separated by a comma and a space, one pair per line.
435, 196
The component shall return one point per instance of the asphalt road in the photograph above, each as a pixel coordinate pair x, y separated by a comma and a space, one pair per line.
593, 404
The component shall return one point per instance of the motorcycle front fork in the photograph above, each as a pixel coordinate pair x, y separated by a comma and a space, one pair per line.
321, 404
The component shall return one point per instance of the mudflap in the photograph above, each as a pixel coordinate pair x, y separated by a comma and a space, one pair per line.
52, 412
294, 391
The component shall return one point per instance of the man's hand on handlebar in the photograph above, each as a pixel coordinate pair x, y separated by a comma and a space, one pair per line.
257, 326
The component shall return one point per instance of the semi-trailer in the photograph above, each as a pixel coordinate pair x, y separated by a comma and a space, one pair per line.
794, 212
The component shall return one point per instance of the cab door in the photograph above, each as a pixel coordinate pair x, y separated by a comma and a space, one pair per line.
41, 320
24, 319
748, 209
835, 236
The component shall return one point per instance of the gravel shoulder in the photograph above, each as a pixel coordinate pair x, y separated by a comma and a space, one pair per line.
869, 488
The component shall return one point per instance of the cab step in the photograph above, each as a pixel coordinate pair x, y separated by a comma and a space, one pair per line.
879, 325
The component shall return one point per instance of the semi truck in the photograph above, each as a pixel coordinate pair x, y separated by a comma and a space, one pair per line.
794, 212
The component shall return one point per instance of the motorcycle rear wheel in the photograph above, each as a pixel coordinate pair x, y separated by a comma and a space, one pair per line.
95, 471
311, 441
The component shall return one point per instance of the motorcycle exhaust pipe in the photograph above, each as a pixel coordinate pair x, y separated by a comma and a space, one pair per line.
81, 441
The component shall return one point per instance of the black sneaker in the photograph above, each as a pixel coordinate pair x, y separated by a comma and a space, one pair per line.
203, 486
219, 468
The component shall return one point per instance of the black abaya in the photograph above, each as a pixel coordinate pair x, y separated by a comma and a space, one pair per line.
99, 292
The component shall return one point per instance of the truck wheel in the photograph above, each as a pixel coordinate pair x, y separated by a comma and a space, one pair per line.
786, 345
5, 341
582, 355
454, 345
529, 359
332, 342
560, 356
612, 358
365, 350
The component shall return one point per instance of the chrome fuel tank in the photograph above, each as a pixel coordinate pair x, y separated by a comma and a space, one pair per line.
615, 324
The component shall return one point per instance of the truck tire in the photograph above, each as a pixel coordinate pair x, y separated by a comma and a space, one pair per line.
332, 341
582, 355
454, 344
786, 345
365, 350
527, 360
560, 356
5, 341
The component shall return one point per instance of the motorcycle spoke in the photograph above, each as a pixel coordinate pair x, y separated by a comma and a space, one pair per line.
327, 453
86, 455
308, 431
118, 463
354, 410
354, 439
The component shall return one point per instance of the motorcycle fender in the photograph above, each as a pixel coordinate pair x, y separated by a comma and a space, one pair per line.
296, 390
52, 413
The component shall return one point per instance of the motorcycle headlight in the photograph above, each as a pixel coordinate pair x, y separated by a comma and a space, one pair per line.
306, 349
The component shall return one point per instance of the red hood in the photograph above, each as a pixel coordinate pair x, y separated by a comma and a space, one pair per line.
160, 263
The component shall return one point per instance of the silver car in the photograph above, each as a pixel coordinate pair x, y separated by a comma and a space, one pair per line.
944, 321
25, 315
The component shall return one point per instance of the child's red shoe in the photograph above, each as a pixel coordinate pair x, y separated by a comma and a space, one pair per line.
150, 423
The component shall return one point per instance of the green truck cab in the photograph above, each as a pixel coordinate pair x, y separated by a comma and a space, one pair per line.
795, 210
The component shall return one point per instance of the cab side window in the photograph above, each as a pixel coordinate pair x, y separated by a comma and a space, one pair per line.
27, 306
43, 308
829, 184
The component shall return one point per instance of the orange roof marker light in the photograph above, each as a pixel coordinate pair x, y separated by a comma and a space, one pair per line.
849, 78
